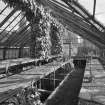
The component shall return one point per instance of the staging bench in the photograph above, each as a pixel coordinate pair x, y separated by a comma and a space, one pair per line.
22, 62
15, 63
25, 78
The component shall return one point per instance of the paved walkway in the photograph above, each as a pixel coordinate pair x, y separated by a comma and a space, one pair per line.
95, 90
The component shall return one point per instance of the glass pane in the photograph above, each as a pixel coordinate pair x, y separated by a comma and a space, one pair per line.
2, 5
10, 20
100, 8
100, 11
5, 12
88, 4
13, 24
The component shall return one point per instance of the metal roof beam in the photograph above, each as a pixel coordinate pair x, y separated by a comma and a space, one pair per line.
6, 35
81, 14
88, 14
85, 35
23, 36
23, 39
17, 36
12, 36
73, 18
9, 24
3, 10
6, 19
94, 8
67, 15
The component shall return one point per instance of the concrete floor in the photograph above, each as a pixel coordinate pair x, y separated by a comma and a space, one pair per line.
95, 90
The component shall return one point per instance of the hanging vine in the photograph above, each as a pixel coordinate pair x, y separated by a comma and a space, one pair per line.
45, 31
41, 33
45, 39
55, 35
35, 47
22, 5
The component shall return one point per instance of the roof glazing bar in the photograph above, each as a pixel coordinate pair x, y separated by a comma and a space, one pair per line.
20, 35
19, 38
76, 11
6, 35
89, 15
10, 23
14, 38
6, 19
3, 10
26, 41
24, 36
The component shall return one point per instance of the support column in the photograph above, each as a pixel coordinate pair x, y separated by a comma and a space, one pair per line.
35, 32
4, 53
69, 50
67, 92
20, 52
32, 45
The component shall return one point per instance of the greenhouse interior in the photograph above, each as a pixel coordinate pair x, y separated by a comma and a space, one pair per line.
51, 52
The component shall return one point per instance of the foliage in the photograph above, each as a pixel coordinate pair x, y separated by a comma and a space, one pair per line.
24, 96
55, 35
45, 39
21, 5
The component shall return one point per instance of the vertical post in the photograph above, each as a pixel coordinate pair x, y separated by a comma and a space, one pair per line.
4, 53
20, 52
94, 8
32, 47
34, 27
54, 79
15, 53
69, 50
91, 66
103, 52
40, 84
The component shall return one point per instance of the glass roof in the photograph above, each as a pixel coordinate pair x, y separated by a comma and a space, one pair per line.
100, 8
15, 23
12, 21
87, 4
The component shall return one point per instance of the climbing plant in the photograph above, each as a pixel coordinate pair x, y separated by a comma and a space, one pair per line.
45, 30
55, 35
22, 5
